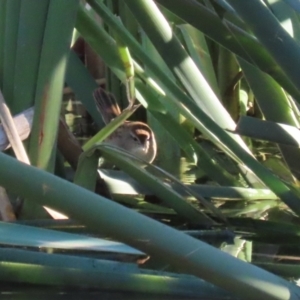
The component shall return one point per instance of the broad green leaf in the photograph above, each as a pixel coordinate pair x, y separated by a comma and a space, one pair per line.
128, 226
28, 236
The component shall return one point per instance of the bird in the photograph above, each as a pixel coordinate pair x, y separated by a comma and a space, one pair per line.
135, 137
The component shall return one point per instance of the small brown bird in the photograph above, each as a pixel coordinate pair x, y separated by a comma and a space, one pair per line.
135, 137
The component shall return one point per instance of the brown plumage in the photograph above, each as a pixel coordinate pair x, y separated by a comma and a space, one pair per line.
106, 105
135, 137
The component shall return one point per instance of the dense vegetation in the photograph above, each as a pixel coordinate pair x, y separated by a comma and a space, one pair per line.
221, 201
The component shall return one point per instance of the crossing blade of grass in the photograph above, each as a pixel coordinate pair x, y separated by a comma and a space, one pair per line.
29, 236
184, 139
268, 93
283, 48
256, 209
124, 160
77, 273
143, 233
272, 232
107, 130
287, 17
178, 60
116, 157
269, 131
235, 40
197, 47
265, 88
168, 154
121, 183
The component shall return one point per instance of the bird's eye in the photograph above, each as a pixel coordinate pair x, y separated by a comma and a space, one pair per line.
133, 136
